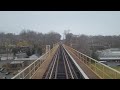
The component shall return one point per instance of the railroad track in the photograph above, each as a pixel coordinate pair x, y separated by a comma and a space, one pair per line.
62, 67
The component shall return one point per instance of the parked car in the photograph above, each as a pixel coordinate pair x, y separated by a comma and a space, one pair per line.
1, 69
4, 77
7, 73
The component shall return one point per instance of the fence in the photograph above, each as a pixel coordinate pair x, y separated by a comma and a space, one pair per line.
30, 70
100, 69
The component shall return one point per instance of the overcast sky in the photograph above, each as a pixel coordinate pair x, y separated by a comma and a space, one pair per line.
79, 22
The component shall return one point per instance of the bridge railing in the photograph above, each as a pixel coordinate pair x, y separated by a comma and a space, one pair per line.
100, 69
30, 70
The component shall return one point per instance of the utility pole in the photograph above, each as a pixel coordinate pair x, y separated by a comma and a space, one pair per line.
47, 48
6, 46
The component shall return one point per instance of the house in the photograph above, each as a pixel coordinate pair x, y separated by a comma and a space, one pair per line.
21, 55
110, 56
16, 64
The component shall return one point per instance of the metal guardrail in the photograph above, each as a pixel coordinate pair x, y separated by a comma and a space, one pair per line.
30, 70
100, 69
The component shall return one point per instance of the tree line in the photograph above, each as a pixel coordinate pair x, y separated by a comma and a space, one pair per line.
89, 44
32, 42
27, 41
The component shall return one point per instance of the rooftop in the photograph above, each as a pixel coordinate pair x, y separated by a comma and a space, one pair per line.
16, 62
112, 53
